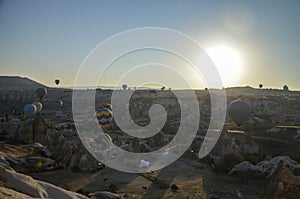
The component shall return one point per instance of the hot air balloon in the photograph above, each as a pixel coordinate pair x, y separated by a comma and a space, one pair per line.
41, 92
104, 117
153, 94
260, 86
29, 110
239, 111
124, 86
106, 106
38, 106
57, 81
58, 103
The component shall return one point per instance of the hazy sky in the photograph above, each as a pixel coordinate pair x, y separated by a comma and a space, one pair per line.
45, 40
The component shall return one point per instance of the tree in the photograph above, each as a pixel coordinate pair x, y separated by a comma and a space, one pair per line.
162, 88
285, 88
124, 86
260, 86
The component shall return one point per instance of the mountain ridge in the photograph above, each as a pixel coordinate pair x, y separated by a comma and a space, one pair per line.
25, 83
19, 83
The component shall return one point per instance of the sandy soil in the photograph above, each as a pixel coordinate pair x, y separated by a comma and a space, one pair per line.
193, 179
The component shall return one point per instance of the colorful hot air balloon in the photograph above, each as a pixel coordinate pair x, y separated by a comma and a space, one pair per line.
41, 92
104, 117
29, 110
57, 81
106, 106
38, 106
239, 111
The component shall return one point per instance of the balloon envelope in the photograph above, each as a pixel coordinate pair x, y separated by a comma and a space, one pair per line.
104, 117
58, 103
106, 106
239, 111
29, 110
38, 105
41, 92
153, 94
57, 81
124, 86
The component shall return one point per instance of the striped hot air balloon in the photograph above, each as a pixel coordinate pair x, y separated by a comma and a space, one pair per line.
104, 117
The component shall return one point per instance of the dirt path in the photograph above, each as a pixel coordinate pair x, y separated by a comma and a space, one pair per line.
192, 178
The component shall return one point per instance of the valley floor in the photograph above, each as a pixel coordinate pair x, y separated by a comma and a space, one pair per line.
185, 178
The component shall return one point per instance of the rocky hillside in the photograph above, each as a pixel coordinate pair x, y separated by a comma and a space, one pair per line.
18, 83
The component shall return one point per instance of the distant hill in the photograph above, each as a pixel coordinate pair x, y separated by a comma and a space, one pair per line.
247, 90
24, 83
18, 83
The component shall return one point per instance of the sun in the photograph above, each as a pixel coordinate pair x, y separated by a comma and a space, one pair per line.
228, 63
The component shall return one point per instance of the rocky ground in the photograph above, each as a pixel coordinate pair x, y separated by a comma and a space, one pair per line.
188, 177
185, 178
43, 157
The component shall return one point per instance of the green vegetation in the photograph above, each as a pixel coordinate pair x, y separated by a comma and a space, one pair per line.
38, 166
3, 135
113, 188
51, 125
70, 125
22, 117
251, 158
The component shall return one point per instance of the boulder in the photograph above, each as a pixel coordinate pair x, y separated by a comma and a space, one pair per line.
266, 167
84, 163
33, 188
3, 160
104, 195
24, 133
41, 130
12, 194
33, 130
42, 149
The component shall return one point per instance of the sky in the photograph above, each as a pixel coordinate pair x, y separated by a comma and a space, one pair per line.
48, 40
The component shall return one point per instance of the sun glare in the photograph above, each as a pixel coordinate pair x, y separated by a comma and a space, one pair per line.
228, 63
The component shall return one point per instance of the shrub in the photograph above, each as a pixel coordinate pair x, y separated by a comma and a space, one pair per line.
51, 125
113, 188
251, 158
22, 117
